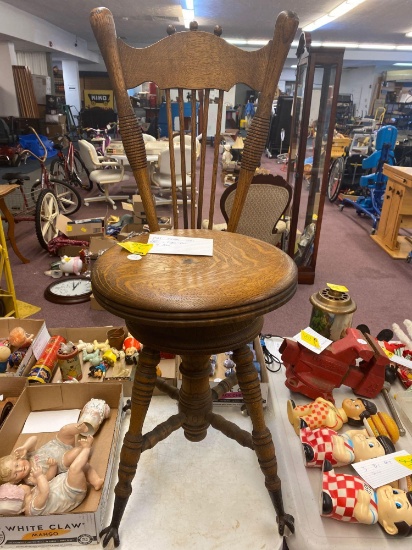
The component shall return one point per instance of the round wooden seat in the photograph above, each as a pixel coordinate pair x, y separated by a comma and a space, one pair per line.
196, 304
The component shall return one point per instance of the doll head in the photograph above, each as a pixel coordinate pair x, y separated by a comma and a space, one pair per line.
13, 469
366, 447
11, 499
395, 510
18, 338
354, 409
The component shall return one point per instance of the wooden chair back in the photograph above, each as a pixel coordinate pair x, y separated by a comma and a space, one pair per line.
200, 66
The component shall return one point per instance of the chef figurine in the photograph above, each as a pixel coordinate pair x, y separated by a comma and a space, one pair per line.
341, 449
348, 498
323, 413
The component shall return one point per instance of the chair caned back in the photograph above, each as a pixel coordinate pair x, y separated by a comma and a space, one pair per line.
267, 200
199, 66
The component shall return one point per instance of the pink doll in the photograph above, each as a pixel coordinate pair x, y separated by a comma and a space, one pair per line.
341, 449
348, 498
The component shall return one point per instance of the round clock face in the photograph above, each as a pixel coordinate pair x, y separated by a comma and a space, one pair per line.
70, 290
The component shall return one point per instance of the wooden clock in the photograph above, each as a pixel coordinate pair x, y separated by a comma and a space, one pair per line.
69, 290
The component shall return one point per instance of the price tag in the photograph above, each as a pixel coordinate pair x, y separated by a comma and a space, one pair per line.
405, 461
312, 340
136, 248
338, 288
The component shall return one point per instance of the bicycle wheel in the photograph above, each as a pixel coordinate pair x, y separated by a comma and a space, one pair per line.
335, 178
82, 172
67, 196
47, 211
57, 169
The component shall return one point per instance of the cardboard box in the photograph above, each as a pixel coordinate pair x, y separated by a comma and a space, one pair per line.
235, 397
10, 390
55, 119
83, 524
89, 334
31, 326
78, 229
54, 130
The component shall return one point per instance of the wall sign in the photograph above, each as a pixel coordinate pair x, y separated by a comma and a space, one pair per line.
98, 98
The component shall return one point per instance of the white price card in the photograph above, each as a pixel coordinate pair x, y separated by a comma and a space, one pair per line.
165, 244
384, 469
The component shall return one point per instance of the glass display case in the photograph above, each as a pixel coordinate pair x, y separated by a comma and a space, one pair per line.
313, 126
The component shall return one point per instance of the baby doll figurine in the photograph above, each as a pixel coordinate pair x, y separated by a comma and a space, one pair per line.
348, 498
341, 449
17, 466
62, 494
323, 413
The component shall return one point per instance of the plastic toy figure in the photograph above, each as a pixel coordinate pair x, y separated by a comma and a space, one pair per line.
323, 413
17, 466
62, 494
348, 498
341, 449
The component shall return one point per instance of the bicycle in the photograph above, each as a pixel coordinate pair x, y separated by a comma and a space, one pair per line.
48, 197
70, 167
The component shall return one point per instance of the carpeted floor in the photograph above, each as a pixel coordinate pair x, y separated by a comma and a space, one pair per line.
380, 286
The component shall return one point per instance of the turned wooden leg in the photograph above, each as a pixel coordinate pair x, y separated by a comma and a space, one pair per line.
262, 438
195, 396
143, 385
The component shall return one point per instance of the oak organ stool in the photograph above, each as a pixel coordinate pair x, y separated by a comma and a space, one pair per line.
195, 306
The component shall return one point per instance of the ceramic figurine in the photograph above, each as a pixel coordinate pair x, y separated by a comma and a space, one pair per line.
98, 371
19, 338
131, 347
348, 498
62, 449
323, 413
16, 357
93, 414
71, 265
340, 449
93, 357
102, 346
4, 357
59, 495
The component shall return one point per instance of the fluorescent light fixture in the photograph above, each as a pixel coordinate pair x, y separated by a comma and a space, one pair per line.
293, 66
366, 46
403, 64
349, 45
188, 4
409, 34
407, 48
188, 17
340, 10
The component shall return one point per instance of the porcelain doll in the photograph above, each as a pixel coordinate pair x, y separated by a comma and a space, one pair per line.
348, 498
323, 413
341, 449
60, 495
17, 466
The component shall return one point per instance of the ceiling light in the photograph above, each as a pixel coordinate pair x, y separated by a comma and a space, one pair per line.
409, 34
293, 66
403, 64
340, 10
349, 45
377, 46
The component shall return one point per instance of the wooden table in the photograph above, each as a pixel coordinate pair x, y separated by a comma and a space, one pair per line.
4, 191
396, 212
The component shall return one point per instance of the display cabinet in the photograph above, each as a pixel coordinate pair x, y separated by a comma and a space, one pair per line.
314, 106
